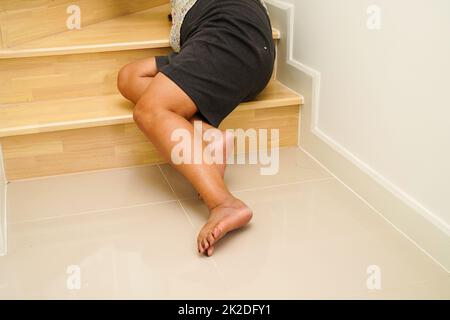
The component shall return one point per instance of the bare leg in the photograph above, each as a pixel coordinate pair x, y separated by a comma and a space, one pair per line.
226, 144
134, 79
163, 108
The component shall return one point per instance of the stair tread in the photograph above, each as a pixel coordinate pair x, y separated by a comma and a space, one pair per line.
64, 114
145, 29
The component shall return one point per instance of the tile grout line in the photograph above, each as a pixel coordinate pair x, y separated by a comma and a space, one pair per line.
85, 172
82, 213
284, 184
273, 186
176, 197
211, 259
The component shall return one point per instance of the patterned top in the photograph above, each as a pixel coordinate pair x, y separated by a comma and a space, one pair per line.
179, 10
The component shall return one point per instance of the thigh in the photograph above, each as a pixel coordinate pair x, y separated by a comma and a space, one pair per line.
165, 93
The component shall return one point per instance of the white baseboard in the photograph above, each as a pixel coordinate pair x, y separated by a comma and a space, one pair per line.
425, 229
3, 186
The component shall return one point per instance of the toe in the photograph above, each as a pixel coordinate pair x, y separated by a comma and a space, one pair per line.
205, 244
211, 239
200, 245
210, 251
217, 232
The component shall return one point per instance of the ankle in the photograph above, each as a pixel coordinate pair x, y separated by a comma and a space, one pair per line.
229, 202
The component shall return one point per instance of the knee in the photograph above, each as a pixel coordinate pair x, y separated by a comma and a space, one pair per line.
140, 112
123, 78
147, 112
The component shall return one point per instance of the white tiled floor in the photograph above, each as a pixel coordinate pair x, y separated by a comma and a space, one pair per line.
132, 237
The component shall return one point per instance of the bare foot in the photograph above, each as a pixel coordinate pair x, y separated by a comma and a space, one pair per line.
222, 219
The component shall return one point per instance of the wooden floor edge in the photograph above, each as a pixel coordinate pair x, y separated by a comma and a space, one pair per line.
99, 122
94, 48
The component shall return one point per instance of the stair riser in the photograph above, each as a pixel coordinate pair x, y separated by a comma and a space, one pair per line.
21, 5
67, 76
122, 145
27, 21
2, 45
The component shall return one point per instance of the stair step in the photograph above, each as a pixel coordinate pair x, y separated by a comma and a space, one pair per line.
23, 21
64, 114
61, 136
145, 29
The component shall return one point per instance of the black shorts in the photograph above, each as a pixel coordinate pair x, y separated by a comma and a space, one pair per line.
227, 55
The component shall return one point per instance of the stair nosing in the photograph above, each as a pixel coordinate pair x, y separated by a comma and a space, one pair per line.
65, 125
12, 53
90, 48
106, 47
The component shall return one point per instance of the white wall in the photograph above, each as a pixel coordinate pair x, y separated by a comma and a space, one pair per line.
377, 110
385, 95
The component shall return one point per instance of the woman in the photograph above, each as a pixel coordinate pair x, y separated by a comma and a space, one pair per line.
223, 55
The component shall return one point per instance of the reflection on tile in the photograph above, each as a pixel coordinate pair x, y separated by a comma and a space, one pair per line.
310, 238
313, 240
69, 194
125, 253
294, 166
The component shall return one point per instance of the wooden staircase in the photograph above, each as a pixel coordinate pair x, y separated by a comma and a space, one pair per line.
60, 111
